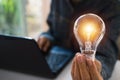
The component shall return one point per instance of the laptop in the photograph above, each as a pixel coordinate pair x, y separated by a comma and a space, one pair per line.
23, 55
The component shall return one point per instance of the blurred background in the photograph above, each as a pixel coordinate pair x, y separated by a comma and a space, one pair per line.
23, 17
26, 18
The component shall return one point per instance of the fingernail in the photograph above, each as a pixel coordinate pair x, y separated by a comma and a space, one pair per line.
77, 54
80, 59
89, 62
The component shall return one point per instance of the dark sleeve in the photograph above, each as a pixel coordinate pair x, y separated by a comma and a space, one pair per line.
107, 52
58, 21
108, 10
49, 34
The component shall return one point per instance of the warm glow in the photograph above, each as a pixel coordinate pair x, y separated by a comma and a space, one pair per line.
89, 30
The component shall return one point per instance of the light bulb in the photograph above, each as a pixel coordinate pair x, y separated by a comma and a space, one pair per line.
89, 29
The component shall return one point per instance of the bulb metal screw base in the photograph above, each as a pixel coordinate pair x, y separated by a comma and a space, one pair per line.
89, 54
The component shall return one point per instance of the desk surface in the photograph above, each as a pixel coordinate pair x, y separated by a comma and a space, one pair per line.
64, 75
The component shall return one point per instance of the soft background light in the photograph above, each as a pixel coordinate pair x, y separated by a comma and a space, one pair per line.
43, 12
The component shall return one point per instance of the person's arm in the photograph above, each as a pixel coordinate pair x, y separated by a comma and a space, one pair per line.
46, 39
107, 52
106, 55
49, 34
84, 68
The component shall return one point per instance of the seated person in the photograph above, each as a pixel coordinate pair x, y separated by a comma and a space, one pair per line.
59, 40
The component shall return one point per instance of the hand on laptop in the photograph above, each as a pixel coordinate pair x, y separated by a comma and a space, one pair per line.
44, 43
85, 69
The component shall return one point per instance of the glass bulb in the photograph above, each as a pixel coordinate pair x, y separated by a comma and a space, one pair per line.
89, 29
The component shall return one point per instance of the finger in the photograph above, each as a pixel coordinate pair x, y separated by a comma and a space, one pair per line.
83, 68
78, 69
41, 43
77, 75
74, 71
98, 65
73, 68
94, 74
46, 46
74, 64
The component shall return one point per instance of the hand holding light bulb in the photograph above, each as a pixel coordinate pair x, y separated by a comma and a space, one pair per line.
84, 68
89, 29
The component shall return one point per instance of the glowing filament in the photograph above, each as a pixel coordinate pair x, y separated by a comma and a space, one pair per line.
89, 29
